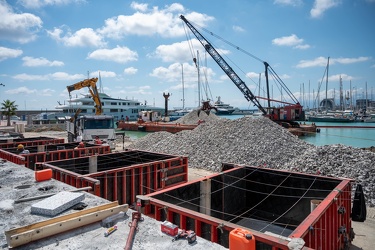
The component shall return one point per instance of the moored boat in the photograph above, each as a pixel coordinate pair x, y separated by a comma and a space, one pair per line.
370, 119
330, 118
120, 109
222, 108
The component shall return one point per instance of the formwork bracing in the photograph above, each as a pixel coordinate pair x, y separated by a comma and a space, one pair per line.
121, 176
51, 152
275, 206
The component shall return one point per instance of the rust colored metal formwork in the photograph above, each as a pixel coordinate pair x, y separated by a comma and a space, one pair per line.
276, 206
27, 142
51, 152
122, 176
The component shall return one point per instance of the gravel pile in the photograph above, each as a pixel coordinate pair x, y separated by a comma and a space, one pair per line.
339, 161
261, 142
251, 141
194, 116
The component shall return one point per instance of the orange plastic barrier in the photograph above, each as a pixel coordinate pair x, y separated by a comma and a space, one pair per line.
241, 239
43, 175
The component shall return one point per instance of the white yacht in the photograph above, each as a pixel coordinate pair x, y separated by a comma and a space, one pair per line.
222, 108
118, 108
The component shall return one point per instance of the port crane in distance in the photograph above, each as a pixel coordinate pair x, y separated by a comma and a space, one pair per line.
87, 127
287, 114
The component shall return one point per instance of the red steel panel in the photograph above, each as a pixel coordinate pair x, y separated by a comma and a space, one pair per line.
319, 230
132, 191
115, 195
339, 197
144, 178
123, 188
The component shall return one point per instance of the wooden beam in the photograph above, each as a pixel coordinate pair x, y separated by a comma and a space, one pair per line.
23, 235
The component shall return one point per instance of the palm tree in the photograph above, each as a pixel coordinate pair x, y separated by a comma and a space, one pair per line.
8, 109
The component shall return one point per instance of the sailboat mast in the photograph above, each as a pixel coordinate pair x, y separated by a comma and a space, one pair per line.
199, 82
327, 85
366, 97
100, 83
183, 87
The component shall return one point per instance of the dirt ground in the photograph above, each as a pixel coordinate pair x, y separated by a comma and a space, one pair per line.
364, 231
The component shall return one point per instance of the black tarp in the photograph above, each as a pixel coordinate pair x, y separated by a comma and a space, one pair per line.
359, 205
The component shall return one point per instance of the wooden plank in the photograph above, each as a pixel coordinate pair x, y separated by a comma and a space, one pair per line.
23, 235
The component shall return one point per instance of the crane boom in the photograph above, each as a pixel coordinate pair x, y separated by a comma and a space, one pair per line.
91, 85
225, 67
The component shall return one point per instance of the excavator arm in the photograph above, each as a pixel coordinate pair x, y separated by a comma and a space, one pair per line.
225, 67
91, 85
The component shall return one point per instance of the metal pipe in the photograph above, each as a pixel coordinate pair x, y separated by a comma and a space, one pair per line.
133, 226
136, 216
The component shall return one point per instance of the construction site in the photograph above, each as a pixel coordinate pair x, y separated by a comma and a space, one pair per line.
59, 196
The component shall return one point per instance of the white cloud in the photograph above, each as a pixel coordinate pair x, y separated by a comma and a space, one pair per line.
336, 78
322, 61
302, 46
289, 2
350, 60
63, 76
86, 37
287, 40
130, 71
6, 53
108, 74
47, 92
36, 4
21, 28
139, 6
174, 73
180, 52
21, 90
149, 21
27, 77
27, 91
320, 6
290, 41
118, 54
252, 75
238, 28
41, 61
317, 62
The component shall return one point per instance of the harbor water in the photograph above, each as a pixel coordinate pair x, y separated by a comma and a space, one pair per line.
355, 137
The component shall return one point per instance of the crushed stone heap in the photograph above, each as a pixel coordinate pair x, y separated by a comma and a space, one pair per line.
261, 142
193, 117
252, 141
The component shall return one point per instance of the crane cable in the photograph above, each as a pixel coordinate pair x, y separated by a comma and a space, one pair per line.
272, 71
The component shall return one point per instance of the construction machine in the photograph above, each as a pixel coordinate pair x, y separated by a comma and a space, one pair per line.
286, 114
87, 127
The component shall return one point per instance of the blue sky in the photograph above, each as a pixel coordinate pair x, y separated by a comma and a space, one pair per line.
140, 48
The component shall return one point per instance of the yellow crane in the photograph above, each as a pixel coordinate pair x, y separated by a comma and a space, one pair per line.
91, 85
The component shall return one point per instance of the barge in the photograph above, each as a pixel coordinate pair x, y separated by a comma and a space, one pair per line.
154, 126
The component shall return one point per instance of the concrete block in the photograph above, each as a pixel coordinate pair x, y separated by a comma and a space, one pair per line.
57, 203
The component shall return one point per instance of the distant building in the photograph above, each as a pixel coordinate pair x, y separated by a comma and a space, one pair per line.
363, 103
327, 104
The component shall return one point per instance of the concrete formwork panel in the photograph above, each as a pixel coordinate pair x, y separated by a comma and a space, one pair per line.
274, 205
32, 141
122, 176
51, 152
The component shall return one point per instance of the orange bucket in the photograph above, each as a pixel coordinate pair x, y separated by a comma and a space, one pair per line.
43, 175
241, 239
